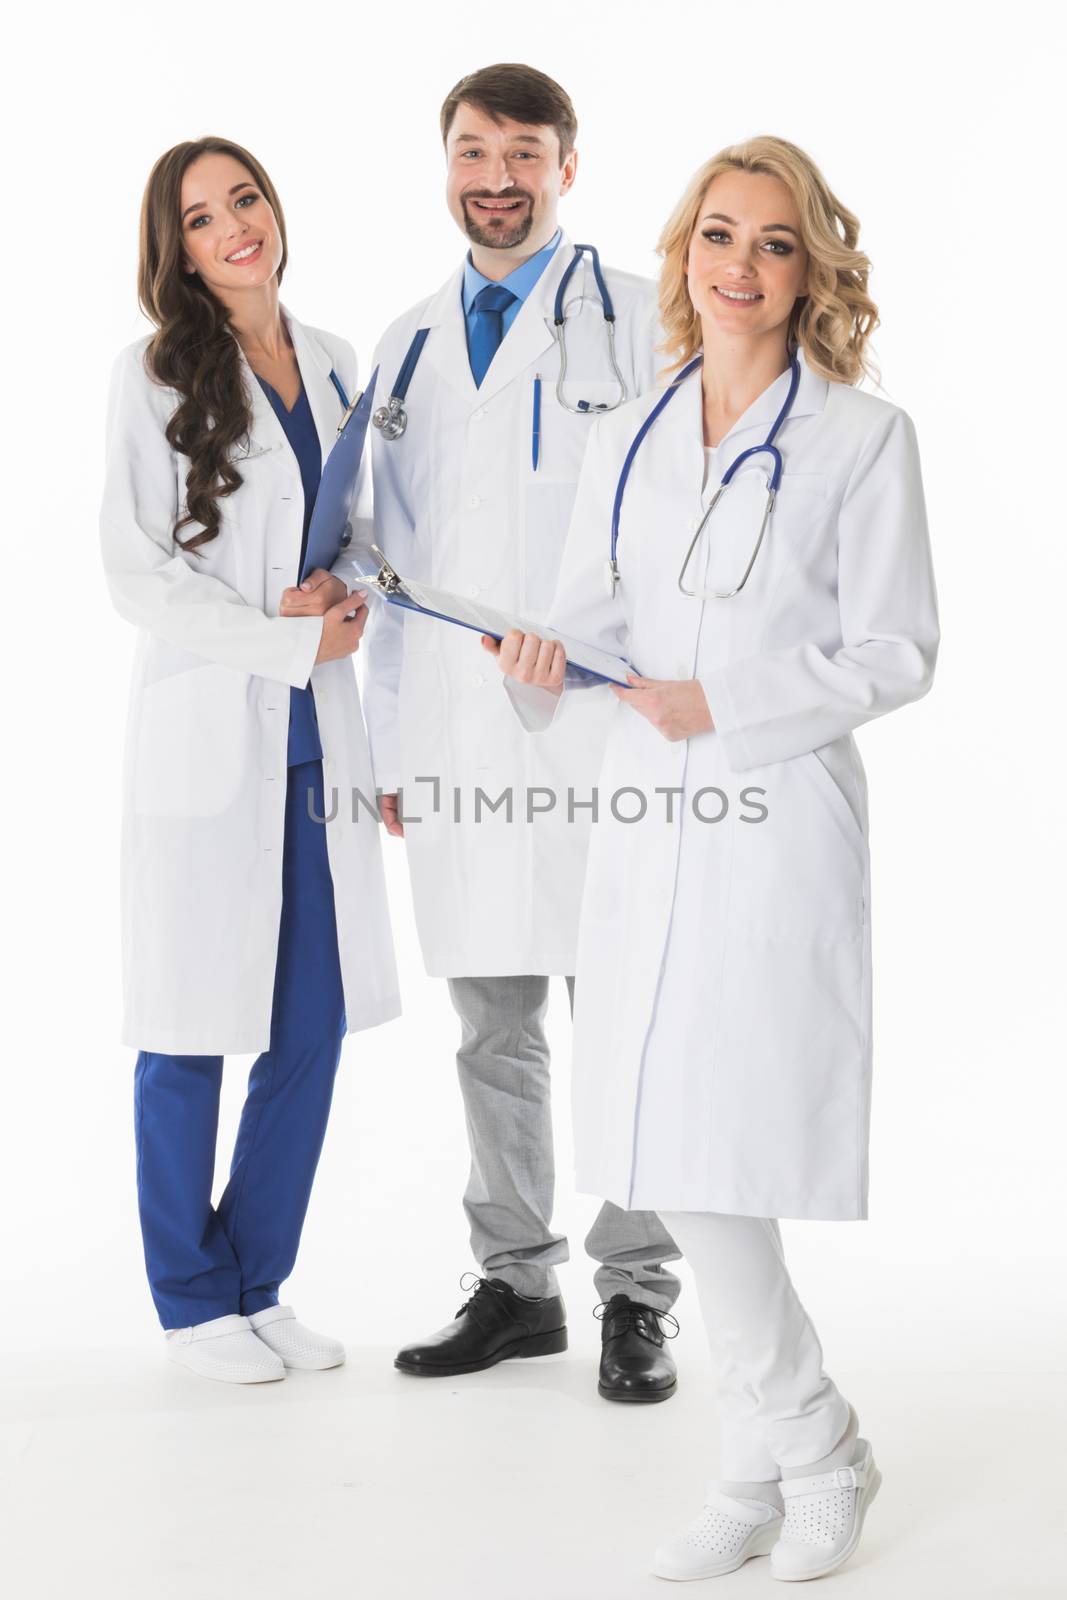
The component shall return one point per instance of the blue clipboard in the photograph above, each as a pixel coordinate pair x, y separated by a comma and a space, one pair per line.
331, 521
463, 613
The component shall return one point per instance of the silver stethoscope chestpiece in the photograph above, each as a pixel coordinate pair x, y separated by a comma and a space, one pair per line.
391, 419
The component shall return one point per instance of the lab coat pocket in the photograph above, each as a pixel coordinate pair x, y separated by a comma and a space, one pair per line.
801, 496
798, 872
249, 450
565, 434
836, 800
191, 740
548, 515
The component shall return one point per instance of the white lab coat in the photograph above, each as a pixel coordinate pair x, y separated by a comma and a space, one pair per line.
722, 1030
457, 504
205, 766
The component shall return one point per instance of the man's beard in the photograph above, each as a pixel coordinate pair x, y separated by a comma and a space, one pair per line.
501, 233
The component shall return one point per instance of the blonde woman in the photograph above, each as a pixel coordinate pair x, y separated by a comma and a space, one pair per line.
722, 1015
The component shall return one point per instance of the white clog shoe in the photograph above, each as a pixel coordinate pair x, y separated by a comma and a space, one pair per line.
725, 1535
824, 1517
298, 1347
225, 1349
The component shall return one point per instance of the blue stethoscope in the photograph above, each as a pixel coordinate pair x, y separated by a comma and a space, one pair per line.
392, 418
559, 325
768, 447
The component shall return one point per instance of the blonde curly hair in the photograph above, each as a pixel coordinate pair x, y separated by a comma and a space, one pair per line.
834, 320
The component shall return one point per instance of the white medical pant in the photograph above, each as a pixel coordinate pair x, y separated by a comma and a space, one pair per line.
778, 1410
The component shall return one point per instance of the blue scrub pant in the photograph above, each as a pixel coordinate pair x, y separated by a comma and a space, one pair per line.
205, 1261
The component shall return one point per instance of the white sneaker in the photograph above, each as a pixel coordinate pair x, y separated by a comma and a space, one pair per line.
824, 1517
722, 1538
226, 1349
297, 1346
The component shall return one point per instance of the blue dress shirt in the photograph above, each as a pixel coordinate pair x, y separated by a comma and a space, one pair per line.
520, 282
303, 437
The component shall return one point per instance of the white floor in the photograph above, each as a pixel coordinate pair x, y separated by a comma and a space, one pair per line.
125, 1477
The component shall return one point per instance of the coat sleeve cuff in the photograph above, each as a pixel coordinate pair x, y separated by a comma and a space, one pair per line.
308, 631
726, 719
383, 737
349, 575
535, 707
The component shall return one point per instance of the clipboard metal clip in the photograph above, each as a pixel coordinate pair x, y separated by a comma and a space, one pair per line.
387, 580
343, 424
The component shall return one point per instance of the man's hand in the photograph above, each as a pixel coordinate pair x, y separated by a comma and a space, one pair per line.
319, 591
341, 630
391, 816
528, 658
677, 709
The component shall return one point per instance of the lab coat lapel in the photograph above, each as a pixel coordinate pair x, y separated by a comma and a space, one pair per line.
759, 417
676, 468
446, 348
266, 432
677, 438
660, 511
315, 368
531, 334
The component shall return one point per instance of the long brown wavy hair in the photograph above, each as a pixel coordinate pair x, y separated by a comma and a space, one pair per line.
834, 320
194, 350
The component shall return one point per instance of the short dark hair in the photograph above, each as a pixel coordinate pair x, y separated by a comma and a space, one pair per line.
520, 94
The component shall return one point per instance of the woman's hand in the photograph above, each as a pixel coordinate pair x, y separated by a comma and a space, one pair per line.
319, 591
341, 631
676, 709
528, 658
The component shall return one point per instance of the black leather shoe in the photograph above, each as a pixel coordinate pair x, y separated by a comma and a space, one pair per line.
634, 1363
495, 1324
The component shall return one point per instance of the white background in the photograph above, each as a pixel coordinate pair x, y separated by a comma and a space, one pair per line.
939, 125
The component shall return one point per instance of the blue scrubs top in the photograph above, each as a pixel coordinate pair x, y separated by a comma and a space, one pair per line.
303, 439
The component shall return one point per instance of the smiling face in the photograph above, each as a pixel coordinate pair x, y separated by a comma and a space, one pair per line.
229, 231
505, 180
747, 263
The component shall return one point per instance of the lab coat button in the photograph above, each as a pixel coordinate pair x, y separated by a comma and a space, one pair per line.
477, 680
479, 415
476, 588
474, 501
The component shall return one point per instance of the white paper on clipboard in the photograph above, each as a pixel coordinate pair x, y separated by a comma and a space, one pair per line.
465, 613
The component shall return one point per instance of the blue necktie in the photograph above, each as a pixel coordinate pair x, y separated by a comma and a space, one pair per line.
487, 326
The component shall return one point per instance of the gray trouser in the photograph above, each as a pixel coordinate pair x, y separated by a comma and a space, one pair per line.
504, 1075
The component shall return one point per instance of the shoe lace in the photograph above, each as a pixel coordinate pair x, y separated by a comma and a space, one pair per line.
629, 1317
479, 1299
